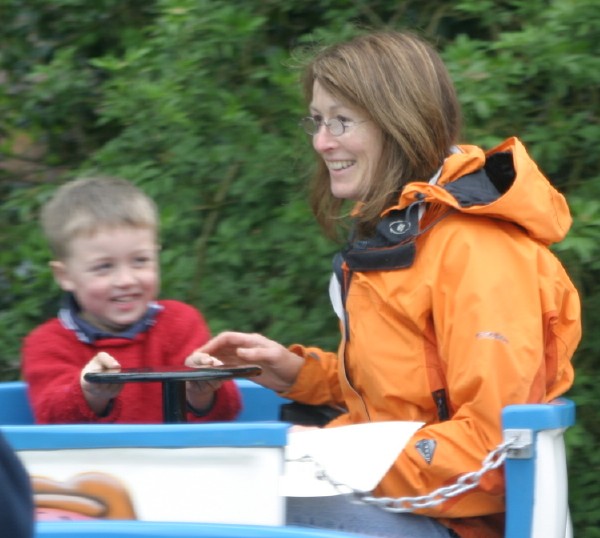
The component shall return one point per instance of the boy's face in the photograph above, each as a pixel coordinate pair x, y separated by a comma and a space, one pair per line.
113, 274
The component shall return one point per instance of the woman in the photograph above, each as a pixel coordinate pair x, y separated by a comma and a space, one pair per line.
451, 304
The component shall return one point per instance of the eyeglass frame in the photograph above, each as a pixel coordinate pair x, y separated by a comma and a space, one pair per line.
317, 124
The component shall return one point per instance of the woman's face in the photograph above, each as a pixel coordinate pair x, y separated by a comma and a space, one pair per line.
351, 157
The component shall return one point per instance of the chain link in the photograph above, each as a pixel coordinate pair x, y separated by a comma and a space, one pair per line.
464, 483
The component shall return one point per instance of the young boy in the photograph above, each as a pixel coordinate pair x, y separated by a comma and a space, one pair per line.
103, 236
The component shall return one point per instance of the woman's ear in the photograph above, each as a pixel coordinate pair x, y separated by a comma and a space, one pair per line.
61, 275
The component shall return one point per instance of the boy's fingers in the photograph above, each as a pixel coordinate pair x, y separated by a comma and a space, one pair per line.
198, 358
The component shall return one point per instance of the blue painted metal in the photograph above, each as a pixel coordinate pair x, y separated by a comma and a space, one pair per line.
258, 402
14, 404
217, 434
520, 473
146, 529
559, 413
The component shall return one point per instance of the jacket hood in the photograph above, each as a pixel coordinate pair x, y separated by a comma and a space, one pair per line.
503, 183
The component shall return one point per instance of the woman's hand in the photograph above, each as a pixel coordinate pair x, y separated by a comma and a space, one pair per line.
280, 366
99, 395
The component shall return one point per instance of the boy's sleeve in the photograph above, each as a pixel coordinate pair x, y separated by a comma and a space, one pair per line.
51, 365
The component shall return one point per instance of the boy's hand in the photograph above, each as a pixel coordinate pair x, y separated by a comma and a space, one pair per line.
99, 395
200, 394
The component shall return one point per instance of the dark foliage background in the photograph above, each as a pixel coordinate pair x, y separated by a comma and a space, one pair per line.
197, 102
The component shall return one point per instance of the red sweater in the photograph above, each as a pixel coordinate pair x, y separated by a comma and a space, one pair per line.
53, 357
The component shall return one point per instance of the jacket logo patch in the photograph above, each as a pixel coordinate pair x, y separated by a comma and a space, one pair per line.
399, 227
426, 447
488, 335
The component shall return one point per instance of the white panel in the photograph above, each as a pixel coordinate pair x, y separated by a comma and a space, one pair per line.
208, 484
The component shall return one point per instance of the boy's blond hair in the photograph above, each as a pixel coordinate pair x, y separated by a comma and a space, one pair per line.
82, 206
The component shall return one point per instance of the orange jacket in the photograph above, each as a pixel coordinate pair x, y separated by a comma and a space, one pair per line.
485, 313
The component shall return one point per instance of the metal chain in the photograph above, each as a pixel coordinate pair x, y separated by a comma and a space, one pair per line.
463, 484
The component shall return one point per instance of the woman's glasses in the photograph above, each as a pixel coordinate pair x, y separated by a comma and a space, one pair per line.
335, 126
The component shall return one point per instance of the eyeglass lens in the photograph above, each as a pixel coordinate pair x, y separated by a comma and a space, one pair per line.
335, 126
